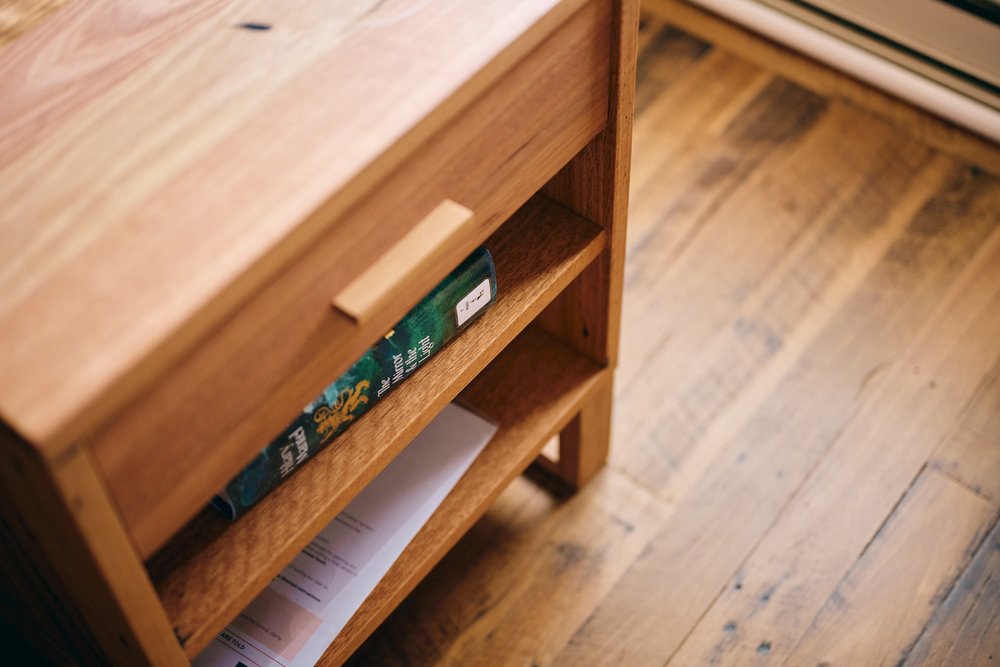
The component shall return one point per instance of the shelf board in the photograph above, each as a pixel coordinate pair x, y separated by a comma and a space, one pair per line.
532, 390
213, 568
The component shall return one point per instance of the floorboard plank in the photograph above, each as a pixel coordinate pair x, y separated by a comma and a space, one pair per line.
664, 52
516, 588
725, 330
965, 629
972, 453
883, 603
841, 507
720, 521
701, 97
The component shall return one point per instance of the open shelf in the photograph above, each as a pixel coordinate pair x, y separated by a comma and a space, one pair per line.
213, 568
531, 390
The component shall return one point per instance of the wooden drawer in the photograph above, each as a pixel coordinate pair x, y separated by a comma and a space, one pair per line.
164, 455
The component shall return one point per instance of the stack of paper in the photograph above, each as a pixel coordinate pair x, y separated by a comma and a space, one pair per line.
293, 621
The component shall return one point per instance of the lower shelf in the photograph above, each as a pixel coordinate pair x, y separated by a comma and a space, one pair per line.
213, 568
532, 390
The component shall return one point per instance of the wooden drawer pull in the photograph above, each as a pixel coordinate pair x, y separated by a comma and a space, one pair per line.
412, 255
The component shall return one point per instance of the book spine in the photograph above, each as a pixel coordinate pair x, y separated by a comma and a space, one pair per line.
440, 316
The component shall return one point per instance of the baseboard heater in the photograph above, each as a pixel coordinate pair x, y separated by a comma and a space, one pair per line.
941, 55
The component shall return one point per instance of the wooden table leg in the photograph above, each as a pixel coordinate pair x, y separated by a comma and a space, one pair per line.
583, 444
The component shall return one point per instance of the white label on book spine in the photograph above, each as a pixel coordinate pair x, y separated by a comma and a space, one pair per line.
473, 302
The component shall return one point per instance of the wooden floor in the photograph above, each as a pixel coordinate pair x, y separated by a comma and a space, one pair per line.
806, 462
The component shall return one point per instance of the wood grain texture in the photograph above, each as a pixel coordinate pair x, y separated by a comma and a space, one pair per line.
596, 185
516, 587
583, 444
213, 170
531, 402
727, 331
792, 258
666, 52
782, 585
920, 125
588, 313
785, 320
26, 642
158, 155
214, 568
491, 160
890, 592
786, 437
33, 603
965, 630
971, 453
79, 573
419, 251
19, 16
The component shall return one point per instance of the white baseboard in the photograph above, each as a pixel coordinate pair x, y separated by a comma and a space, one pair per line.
861, 64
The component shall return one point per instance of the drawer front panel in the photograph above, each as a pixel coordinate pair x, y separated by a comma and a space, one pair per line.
166, 453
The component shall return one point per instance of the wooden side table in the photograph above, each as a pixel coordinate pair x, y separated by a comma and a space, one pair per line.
191, 191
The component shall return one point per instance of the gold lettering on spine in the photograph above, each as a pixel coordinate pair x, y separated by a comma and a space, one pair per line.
330, 418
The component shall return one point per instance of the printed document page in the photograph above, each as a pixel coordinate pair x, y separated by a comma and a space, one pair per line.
293, 621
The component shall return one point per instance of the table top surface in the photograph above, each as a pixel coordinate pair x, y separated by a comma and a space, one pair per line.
158, 160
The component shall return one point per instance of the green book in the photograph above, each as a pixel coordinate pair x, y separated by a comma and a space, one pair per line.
440, 316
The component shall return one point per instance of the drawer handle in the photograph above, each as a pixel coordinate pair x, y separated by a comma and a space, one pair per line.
417, 252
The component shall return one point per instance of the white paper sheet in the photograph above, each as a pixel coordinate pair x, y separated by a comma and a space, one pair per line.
293, 621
